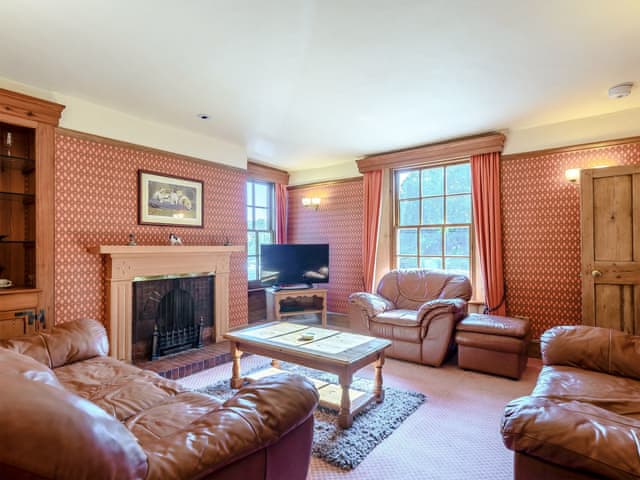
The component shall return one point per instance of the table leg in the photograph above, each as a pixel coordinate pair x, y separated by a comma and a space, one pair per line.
236, 379
345, 419
377, 386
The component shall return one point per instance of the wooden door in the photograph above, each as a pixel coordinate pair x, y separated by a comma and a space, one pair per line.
610, 218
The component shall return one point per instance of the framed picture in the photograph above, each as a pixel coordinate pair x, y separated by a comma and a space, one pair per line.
164, 200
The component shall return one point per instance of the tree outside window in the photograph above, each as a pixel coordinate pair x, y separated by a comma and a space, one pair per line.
433, 221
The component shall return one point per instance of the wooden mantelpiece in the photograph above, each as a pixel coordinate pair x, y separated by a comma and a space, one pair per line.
125, 263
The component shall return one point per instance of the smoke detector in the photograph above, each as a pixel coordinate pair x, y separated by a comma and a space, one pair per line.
621, 90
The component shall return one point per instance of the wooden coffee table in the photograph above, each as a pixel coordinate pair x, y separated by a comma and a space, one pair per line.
341, 353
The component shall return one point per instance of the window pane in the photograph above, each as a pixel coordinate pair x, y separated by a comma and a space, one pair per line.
456, 241
432, 181
408, 241
251, 243
249, 193
407, 262
410, 212
252, 269
432, 211
459, 178
250, 218
262, 195
457, 264
409, 184
459, 209
431, 262
431, 241
261, 222
265, 238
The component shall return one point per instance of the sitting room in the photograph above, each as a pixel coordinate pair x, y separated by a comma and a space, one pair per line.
319, 240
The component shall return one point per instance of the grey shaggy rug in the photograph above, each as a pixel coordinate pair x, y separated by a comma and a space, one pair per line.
346, 448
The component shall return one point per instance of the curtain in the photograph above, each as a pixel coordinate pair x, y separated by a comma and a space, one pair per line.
485, 176
281, 212
372, 189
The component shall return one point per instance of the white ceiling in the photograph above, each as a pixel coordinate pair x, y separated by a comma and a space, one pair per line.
306, 83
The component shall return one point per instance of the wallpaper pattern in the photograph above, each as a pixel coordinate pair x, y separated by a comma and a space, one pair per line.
541, 229
337, 222
96, 203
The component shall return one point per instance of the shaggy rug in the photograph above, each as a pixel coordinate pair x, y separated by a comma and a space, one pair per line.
346, 448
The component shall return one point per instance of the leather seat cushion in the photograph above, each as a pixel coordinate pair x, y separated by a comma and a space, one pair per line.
494, 325
120, 389
491, 342
399, 318
611, 392
396, 325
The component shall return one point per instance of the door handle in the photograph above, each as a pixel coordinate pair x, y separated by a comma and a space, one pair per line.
596, 273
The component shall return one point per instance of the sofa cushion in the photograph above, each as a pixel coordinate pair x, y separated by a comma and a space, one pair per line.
47, 432
14, 363
396, 325
613, 393
575, 435
74, 341
494, 325
32, 345
120, 389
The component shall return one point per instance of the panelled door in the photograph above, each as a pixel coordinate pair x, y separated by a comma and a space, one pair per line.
610, 218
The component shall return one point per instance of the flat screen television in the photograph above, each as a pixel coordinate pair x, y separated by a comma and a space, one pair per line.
294, 265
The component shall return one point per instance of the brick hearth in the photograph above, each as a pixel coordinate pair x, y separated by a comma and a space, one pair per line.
186, 363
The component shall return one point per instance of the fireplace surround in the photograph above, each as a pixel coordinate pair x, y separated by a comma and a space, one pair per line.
125, 263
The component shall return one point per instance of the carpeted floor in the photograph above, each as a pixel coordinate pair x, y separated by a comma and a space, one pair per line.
345, 448
454, 436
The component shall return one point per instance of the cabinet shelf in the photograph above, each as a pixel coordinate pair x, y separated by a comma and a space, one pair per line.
14, 196
27, 165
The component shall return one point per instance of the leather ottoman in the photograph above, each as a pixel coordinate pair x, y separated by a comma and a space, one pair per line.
493, 344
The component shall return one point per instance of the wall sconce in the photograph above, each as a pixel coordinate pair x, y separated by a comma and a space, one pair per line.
311, 202
572, 175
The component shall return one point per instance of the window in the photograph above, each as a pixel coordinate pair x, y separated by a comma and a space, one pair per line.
433, 225
260, 223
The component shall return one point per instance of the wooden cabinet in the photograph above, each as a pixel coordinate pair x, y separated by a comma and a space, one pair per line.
288, 302
27, 127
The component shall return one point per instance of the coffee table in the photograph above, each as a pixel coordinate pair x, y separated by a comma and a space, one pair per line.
333, 351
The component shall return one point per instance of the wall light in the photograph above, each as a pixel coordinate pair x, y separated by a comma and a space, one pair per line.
572, 175
311, 202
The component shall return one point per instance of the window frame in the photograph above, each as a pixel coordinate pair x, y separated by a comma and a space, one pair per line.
271, 223
395, 220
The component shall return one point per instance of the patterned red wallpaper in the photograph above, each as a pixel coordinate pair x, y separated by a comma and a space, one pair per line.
96, 203
541, 220
337, 222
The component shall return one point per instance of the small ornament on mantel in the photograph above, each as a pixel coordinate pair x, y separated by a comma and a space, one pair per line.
174, 239
132, 240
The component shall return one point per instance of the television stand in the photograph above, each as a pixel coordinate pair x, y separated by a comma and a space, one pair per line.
289, 302
297, 286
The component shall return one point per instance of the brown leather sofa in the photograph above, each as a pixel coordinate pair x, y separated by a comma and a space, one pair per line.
67, 411
417, 310
582, 420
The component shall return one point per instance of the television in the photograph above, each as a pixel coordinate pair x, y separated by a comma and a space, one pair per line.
294, 265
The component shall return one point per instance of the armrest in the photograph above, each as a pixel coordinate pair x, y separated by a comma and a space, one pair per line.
592, 348
432, 309
371, 303
258, 416
574, 435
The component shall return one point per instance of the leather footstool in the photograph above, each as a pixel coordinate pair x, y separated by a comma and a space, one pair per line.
493, 344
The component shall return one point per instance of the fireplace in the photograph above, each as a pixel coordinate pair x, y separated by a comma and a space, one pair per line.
124, 263
171, 314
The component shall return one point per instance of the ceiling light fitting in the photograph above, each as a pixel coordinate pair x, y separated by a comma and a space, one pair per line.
621, 90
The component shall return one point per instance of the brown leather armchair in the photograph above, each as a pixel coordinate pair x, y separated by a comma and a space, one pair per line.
417, 310
582, 419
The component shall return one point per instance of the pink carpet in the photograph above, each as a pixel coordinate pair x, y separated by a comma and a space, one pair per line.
454, 435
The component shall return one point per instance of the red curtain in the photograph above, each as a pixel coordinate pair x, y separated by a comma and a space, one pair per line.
281, 212
485, 176
372, 189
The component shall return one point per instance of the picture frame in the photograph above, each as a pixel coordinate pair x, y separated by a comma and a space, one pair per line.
169, 200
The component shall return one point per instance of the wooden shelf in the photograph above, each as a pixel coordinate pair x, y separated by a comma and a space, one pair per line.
27, 165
